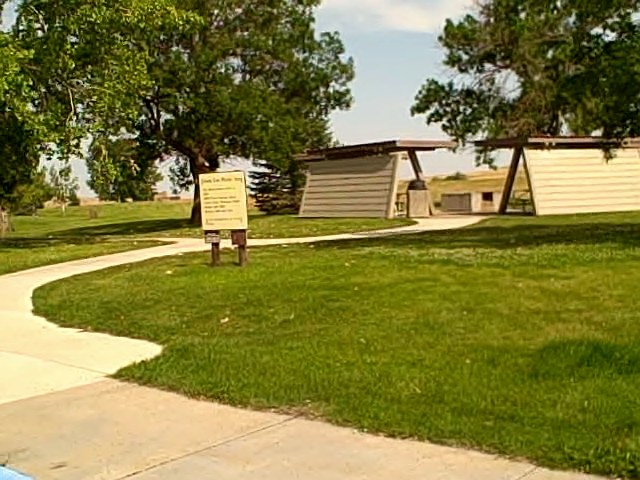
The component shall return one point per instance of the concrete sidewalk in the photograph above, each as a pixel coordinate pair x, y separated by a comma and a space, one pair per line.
60, 418
111, 431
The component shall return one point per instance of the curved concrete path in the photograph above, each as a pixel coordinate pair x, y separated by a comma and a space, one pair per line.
61, 418
54, 358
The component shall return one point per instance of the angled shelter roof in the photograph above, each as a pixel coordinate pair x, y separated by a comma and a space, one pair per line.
376, 148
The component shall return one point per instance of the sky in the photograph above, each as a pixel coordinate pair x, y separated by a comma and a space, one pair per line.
395, 49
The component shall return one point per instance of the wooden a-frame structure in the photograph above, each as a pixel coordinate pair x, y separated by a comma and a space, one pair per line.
562, 160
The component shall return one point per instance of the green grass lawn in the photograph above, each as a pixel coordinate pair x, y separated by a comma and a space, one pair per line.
51, 237
143, 217
519, 336
17, 255
161, 220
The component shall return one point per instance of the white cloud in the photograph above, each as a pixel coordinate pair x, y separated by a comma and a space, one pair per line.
399, 15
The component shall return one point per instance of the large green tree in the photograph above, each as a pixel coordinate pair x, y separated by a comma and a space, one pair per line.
199, 80
538, 67
32, 127
19, 127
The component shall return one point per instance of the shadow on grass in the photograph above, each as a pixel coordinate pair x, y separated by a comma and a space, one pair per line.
27, 243
140, 227
95, 234
582, 359
507, 237
522, 233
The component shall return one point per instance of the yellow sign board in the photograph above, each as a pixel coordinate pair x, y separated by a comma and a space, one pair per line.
223, 201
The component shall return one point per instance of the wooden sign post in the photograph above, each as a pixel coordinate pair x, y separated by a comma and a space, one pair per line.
223, 204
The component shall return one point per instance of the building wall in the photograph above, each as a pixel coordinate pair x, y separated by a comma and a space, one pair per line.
456, 202
489, 205
583, 181
359, 187
470, 202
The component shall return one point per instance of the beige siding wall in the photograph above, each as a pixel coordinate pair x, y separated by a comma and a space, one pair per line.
359, 187
583, 181
470, 202
491, 205
456, 202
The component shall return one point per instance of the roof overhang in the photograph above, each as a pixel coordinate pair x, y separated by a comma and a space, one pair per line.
558, 143
376, 148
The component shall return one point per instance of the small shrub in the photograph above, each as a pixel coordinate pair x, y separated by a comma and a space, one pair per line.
456, 177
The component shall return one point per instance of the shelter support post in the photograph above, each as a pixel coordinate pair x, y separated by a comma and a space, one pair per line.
415, 163
530, 185
511, 179
420, 203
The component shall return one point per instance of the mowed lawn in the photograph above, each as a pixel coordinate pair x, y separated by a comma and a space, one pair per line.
51, 237
23, 254
519, 336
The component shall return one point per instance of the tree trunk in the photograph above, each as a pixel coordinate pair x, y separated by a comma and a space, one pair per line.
196, 214
198, 167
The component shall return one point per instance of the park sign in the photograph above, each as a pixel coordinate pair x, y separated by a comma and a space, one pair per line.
223, 201
223, 205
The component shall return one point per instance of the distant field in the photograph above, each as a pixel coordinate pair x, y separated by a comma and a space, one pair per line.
483, 181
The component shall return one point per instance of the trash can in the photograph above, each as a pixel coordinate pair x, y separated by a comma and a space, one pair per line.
418, 200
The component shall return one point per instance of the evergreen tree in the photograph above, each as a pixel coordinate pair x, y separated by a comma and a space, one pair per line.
278, 183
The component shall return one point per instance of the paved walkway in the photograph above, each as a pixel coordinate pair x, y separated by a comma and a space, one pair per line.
61, 418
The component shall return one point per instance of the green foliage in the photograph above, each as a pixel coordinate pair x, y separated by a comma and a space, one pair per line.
31, 196
92, 64
278, 191
200, 80
456, 177
121, 169
180, 175
526, 67
18, 154
16, 88
278, 184
32, 124
20, 133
